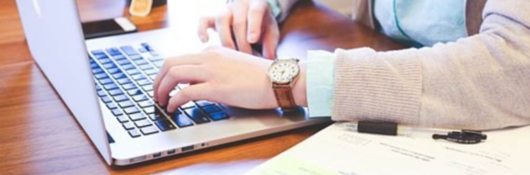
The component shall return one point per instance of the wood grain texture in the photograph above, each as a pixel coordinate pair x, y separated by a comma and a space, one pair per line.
38, 135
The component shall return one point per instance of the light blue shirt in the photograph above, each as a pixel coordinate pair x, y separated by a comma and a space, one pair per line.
413, 22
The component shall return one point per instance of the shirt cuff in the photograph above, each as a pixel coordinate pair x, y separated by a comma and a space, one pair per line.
275, 8
320, 65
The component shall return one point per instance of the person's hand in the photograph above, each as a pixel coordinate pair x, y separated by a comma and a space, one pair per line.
251, 22
221, 75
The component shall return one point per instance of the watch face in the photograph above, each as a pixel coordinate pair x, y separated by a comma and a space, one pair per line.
283, 71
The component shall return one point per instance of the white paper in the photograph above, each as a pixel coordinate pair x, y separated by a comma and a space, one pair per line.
336, 150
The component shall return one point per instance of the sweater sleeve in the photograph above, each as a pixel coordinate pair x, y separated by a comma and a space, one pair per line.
479, 82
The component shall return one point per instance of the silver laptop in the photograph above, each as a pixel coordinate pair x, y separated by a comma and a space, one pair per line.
107, 85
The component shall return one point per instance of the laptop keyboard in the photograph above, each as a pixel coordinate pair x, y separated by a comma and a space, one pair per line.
124, 82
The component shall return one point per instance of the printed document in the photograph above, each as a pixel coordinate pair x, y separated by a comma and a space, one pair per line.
338, 151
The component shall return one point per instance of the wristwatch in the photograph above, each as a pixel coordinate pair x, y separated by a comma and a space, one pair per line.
283, 74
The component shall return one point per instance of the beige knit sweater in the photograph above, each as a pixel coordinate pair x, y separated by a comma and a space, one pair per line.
479, 82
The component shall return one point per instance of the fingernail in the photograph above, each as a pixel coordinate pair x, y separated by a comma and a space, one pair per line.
252, 38
203, 38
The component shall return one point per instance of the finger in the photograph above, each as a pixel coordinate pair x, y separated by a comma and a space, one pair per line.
271, 39
192, 92
204, 24
239, 25
222, 25
168, 65
192, 59
256, 12
178, 75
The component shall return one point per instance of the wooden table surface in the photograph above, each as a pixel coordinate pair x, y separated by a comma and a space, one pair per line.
38, 134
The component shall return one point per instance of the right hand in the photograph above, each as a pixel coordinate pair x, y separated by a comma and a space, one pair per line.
251, 22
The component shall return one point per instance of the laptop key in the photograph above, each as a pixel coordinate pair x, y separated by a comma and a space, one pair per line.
123, 62
114, 70
119, 57
144, 82
119, 75
197, 116
145, 104
115, 92
97, 70
133, 72
131, 110
110, 86
151, 93
142, 123
138, 77
105, 81
156, 117
122, 119
145, 66
134, 92
136, 57
149, 110
134, 133
101, 56
139, 98
203, 103
152, 76
106, 99
155, 54
109, 65
128, 50
156, 59
128, 125
147, 47
137, 116
189, 104
218, 116
158, 63
120, 98
151, 72
140, 62
101, 76
149, 130
164, 125
111, 106
105, 60
128, 67
93, 65
124, 81
101, 93
116, 112
211, 109
148, 87
98, 52
181, 119
125, 104
113, 51
129, 86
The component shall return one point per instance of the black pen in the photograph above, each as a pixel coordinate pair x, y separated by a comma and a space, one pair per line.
394, 129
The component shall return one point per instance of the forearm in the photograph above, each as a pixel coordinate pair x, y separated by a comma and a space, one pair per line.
480, 82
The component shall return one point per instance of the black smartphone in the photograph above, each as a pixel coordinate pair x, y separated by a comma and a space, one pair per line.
109, 27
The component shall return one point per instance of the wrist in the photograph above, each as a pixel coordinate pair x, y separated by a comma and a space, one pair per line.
299, 88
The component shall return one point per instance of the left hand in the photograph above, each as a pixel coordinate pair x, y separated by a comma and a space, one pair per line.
219, 75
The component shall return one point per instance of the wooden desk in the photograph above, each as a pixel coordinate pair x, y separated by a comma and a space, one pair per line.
38, 135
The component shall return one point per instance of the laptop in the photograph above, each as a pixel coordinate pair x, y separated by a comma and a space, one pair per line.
107, 85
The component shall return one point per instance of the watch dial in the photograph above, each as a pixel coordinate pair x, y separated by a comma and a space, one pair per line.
283, 72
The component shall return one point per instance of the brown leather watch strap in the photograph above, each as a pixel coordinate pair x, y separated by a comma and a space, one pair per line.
284, 96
